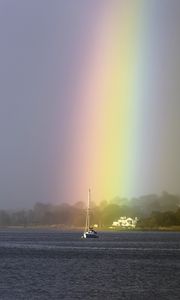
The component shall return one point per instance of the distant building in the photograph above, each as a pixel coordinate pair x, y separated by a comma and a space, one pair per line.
125, 222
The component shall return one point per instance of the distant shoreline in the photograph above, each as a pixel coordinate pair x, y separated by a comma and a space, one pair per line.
65, 228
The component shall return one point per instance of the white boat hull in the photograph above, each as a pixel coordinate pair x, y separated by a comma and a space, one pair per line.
90, 235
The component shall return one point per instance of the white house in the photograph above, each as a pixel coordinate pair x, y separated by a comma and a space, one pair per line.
125, 222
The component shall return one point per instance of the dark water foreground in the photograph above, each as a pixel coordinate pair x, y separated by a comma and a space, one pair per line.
37, 264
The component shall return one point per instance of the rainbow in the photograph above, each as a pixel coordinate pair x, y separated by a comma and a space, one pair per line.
107, 103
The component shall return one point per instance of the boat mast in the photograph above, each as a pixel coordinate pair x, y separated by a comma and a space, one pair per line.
88, 211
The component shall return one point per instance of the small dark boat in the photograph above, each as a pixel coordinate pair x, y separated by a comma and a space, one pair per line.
89, 232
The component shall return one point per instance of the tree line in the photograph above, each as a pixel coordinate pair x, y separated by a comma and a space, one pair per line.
151, 210
160, 220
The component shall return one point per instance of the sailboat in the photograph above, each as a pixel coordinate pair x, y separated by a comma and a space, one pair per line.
89, 232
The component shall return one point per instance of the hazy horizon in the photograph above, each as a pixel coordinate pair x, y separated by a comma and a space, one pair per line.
63, 123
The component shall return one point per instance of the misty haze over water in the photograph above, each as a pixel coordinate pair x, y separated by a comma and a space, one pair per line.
153, 211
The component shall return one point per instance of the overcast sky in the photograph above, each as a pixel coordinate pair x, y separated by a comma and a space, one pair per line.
41, 47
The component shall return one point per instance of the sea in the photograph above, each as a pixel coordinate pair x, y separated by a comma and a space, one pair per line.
53, 264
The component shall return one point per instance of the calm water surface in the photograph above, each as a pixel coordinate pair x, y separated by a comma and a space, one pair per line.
50, 264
